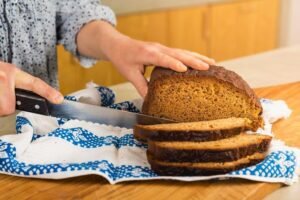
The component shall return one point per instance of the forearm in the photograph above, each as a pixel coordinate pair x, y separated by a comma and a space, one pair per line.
97, 39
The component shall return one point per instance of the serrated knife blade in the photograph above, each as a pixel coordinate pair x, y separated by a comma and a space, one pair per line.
30, 102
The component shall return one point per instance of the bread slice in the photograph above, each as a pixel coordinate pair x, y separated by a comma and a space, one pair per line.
225, 150
193, 131
197, 95
204, 168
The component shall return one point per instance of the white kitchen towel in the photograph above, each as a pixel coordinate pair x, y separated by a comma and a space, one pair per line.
55, 148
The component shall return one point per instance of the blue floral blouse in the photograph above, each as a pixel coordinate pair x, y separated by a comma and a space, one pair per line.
31, 29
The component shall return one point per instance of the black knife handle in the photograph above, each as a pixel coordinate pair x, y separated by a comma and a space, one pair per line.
31, 102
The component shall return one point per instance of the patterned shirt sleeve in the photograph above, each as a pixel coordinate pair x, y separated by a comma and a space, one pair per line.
71, 15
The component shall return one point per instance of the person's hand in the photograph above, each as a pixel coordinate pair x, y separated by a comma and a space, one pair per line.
11, 77
131, 56
99, 39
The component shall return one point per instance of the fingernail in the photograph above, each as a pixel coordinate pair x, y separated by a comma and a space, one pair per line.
213, 61
204, 65
59, 98
182, 67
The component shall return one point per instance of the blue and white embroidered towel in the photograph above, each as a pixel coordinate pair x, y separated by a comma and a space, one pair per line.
55, 148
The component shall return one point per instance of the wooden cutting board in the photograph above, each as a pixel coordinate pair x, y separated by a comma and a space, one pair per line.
95, 187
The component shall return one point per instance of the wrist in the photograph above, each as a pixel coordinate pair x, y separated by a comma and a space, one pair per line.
98, 39
111, 41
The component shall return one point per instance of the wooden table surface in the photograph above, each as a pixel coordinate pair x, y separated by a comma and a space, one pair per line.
95, 187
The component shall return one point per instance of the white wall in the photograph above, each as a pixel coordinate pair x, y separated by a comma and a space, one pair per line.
290, 22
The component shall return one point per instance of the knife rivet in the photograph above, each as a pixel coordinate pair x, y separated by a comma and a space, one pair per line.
19, 103
37, 107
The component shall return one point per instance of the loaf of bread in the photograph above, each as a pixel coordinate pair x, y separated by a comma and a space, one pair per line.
214, 108
196, 95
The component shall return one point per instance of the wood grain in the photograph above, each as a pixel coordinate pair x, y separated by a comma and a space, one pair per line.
188, 29
149, 26
94, 187
243, 28
73, 77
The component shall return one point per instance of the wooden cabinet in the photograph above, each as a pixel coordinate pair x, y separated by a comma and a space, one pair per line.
268, 24
72, 76
151, 27
145, 26
221, 31
243, 28
187, 29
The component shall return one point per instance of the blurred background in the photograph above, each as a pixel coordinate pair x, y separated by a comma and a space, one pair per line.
221, 29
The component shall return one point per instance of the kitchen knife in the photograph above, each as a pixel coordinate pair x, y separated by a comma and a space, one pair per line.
30, 102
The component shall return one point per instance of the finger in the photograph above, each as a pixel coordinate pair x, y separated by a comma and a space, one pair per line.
140, 83
25, 81
187, 58
183, 51
202, 57
7, 94
158, 58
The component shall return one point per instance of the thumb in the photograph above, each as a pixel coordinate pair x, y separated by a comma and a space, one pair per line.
26, 81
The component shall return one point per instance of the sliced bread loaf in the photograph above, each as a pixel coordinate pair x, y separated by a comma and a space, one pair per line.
225, 150
193, 131
213, 107
201, 95
204, 168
